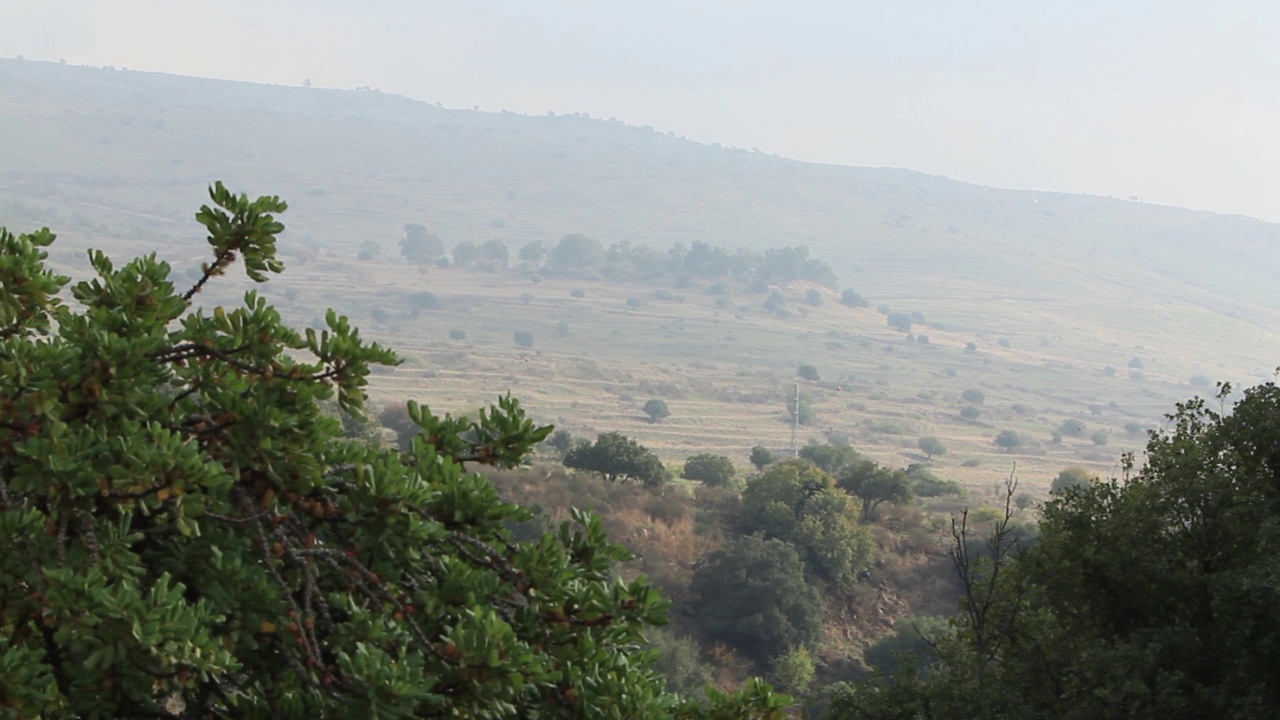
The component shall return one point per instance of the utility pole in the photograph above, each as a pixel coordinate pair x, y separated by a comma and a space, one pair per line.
795, 421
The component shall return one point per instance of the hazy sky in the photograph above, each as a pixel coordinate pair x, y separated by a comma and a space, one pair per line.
1174, 101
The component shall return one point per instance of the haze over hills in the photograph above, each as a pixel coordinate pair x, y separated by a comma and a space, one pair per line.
1069, 282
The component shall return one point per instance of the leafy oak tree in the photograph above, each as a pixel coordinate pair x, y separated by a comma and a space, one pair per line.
188, 534
875, 484
617, 457
795, 501
709, 469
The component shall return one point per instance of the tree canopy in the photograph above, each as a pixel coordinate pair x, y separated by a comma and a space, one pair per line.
709, 469
875, 484
1149, 596
420, 246
190, 534
617, 457
796, 501
753, 594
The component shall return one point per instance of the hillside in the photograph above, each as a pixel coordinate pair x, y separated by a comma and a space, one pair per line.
1051, 288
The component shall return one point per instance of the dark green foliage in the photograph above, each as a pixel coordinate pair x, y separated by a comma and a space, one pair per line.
561, 441
679, 663
776, 303
908, 643
797, 502
852, 299
761, 457
813, 296
218, 545
1072, 427
491, 255
970, 412
576, 252
368, 250
1009, 439
188, 533
657, 409
1151, 597
423, 300
533, 253
523, 338
709, 469
973, 396
874, 484
924, 483
457, 334
617, 457
931, 446
830, 457
754, 596
899, 321
420, 246
808, 372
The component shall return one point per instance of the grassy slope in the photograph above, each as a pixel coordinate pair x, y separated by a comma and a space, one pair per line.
1072, 283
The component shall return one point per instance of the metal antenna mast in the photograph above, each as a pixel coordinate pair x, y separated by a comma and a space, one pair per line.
795, 421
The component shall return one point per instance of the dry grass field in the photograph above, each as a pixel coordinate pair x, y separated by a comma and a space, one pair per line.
1051, 289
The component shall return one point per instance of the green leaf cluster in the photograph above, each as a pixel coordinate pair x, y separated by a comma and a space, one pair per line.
188, 533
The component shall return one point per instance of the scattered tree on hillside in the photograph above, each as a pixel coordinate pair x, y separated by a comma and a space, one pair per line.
561, 441
1071, 427
969, 412
523, 338
617, 457
852, 299
422, 300
830, 457
808, 372
1073, 476
875, 484
753, 595
657, 409
925, 483
899, 321
533, 253
931, 447
420, 246
761, 457
813, 296
708, 469
1009, 439
576, 252
189, 534
973, 396
368, 250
